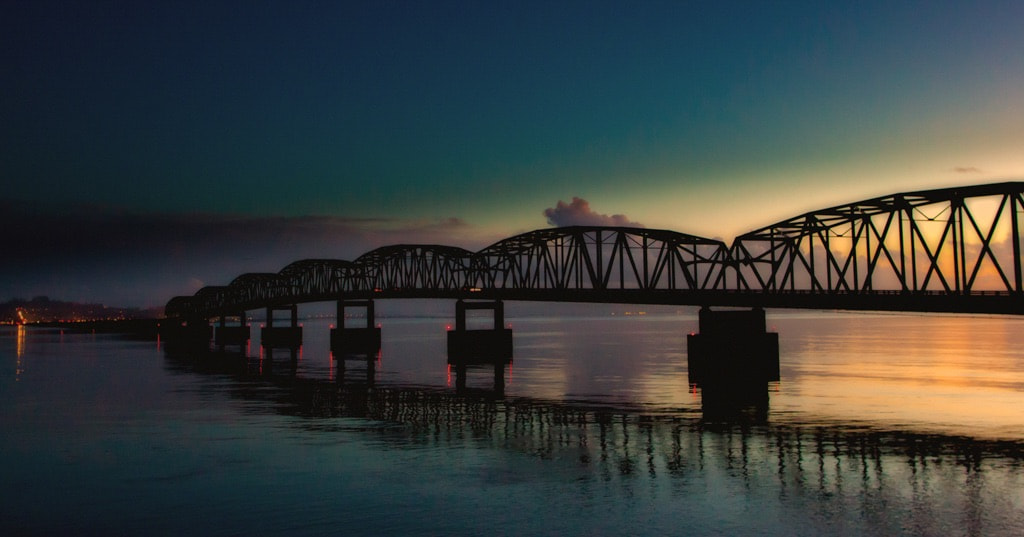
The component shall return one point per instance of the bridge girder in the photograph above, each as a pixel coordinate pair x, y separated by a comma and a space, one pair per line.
412, 266
953, 242
580, 257
318, 279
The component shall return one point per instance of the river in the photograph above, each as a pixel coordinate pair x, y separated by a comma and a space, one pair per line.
881, 424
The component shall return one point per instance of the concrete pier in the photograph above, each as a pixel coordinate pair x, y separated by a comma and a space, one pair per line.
733, 346
486, 346
282, 336
481, 346
347, 340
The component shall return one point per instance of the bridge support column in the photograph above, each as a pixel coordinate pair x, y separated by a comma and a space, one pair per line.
481, 346
282, 336
732, 347
346, 340
231, 335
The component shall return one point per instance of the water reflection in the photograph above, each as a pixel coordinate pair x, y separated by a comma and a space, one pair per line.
363, 370
892, 481
584, 442
739, 401
938, 373
19, 367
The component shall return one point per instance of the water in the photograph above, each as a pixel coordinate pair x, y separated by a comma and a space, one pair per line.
881, 425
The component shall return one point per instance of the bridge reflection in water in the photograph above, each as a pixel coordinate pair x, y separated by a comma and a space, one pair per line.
864, 473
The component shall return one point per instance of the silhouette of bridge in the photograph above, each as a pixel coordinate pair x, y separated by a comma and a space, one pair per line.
944, 250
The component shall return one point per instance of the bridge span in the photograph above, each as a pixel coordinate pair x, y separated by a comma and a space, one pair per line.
945, 250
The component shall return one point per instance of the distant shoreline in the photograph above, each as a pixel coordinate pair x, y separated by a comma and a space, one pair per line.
146, 328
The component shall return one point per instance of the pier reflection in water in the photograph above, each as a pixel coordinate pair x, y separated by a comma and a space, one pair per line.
596, 433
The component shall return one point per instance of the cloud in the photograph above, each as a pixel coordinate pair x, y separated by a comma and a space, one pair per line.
103, 254
579, 213
966, 169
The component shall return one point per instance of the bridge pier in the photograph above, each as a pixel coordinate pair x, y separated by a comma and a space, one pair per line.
732, 347
480, 346
231, 335
282, 336
355, 340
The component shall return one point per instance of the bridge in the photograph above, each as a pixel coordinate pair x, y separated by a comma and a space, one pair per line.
944, 250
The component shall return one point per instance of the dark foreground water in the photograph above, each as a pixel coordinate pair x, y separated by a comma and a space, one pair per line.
881, 425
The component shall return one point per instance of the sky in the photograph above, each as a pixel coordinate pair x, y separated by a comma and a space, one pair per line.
150, 148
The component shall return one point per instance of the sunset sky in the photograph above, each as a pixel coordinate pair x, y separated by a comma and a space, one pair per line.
152, 148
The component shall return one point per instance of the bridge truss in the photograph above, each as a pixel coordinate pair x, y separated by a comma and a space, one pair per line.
958, 240
954, 249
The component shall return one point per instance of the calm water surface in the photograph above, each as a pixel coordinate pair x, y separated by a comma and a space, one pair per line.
881, 425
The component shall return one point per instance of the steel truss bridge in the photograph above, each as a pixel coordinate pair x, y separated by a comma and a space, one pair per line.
945, 250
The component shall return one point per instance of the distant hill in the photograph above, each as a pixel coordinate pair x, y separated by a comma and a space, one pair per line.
43, 310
